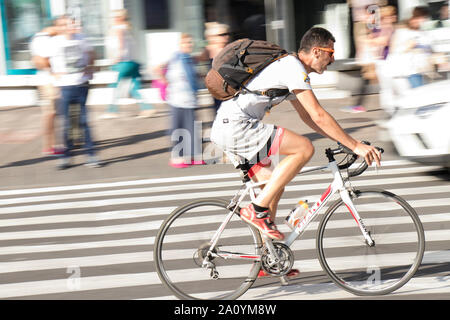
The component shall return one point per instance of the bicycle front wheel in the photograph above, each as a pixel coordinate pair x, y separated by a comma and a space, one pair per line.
383, 267
183, 243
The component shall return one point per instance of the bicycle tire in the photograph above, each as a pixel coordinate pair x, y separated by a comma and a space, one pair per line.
192, 282
340, 243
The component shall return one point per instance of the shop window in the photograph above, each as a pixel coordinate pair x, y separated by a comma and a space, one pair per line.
246, 18
156, 14
21, 20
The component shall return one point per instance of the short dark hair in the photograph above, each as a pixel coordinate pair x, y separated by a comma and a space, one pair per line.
420, 11
315, 37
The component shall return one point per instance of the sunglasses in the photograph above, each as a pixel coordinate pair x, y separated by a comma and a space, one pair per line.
329, 50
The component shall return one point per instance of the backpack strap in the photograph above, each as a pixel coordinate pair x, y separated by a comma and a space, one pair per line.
271, 93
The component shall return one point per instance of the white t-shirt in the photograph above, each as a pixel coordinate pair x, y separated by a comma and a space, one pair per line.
179, 90
69, 60
403, 60
126, 53
41, 46
286, 73
237, 127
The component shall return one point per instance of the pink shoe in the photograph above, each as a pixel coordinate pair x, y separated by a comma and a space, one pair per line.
53, 152
178, 165
353, 109
58, 151
263, 223
198, 163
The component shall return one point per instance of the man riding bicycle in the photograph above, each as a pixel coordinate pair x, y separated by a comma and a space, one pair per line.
238, 127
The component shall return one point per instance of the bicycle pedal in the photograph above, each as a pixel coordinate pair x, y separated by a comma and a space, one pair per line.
214, 274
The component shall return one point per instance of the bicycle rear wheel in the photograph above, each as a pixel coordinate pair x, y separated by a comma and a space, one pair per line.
182, 244
371, 270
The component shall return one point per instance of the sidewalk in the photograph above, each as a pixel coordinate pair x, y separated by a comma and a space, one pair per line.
130, 147
137, 148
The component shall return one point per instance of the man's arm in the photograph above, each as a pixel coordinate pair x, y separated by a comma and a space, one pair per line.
304, 115
326, 125
90, 68
41, 63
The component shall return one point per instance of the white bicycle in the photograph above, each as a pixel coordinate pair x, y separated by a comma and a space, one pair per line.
369, 241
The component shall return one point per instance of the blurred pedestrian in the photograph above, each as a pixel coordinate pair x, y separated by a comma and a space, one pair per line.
443, 17
387, 88
373, 29
159, 81
182, 89
410, 51
122, 47
217, 36
441, 59
72, 65
41, 51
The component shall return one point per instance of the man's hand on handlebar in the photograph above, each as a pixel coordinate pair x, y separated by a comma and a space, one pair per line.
369, 153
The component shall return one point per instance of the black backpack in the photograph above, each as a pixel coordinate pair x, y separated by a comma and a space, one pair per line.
237, 63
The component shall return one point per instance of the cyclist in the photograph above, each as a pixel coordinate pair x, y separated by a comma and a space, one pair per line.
238, 126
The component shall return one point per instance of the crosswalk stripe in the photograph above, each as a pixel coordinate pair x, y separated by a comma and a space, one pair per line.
154, 225
429, 235
148, 278
147, 256
190, 195
406, 167
44, 218
129, 214
154, 190
328, 291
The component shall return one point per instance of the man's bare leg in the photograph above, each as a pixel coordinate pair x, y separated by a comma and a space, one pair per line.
264, 175
298, 151
48, 131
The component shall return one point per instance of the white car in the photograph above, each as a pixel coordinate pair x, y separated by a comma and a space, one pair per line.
420, 128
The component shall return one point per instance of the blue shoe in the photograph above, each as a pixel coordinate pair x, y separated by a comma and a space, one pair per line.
65, 164
93, 162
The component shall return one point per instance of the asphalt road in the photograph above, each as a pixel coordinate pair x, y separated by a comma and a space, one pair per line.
134, 148
87, 233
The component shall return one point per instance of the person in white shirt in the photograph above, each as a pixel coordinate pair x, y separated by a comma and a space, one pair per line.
410, 51
72, 65
41, 51
238, 128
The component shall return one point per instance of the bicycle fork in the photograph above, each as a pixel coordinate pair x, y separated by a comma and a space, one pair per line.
345, 195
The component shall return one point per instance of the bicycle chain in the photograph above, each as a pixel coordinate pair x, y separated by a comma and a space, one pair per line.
281, 267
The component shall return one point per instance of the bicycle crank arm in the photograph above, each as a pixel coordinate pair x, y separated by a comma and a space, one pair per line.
234, 255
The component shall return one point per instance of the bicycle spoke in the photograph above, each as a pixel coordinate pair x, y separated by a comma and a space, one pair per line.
182, 247
382, 268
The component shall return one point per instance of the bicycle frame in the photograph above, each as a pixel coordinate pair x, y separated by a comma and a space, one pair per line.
337, 185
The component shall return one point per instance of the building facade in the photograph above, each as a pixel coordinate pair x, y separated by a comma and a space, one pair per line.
156, 25
279, 21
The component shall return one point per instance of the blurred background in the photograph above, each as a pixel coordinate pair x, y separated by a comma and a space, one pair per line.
417, 114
